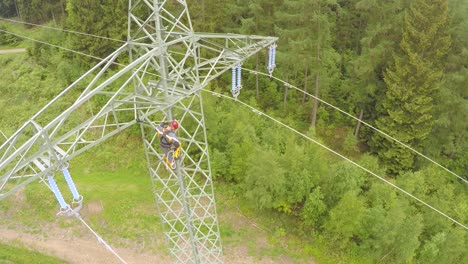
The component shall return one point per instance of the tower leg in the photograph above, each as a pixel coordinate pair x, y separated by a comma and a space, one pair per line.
184, 196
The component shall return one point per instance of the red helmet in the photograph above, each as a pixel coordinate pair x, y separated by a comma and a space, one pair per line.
174, 124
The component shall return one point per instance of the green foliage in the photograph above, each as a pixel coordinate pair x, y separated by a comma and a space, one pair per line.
411, 83
345, 46
40, 11
431, 249
450, 199
305, 29
340, 178
407, 240
314, 208
26, 86
261, 19
448, 138
44, 54
106, 18
265, 180
367, 34
207, 15
350, 143
345, 219
7, 39
240, 144
381, 234
302, 170
7, 8
445, 248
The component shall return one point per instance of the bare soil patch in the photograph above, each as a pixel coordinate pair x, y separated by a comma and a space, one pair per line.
61, 243
12, 51
247, 243
77, 245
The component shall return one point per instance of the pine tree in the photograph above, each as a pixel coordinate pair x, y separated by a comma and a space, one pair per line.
449, 136
375, 28
305, 29
207, 15
107, 18
7, 8
406, 111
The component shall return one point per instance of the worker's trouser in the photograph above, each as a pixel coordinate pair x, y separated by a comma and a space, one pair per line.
169, 156
168, 152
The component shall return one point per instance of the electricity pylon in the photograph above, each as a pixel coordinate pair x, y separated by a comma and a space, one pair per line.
168, 66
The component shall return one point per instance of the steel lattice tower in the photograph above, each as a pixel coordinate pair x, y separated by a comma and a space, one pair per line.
169, 65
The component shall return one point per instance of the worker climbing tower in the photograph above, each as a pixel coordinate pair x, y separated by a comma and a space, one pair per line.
166, 66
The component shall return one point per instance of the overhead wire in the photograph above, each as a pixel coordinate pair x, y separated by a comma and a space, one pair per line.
302, 134
279, 80
337, 154
100, 239
50, 44
61, 29
359, 120
109, 248
60, 47
254, 72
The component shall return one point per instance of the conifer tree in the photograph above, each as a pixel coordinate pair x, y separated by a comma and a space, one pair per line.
207, 15
8, 8
261, 17
406, 111
449, 136
368, 33
107, 18
305, 30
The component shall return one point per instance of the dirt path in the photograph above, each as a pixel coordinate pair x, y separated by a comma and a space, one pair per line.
77, 250
65, 244
62, 243
12, 51
74, 243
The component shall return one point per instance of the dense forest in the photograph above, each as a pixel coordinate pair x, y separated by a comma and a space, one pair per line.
401, 66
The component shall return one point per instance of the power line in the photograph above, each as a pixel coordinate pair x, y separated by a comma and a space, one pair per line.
254, 72
69, 211
60, 47
286, 83
339, 155
100, 239
60, 29
46, 43
76, 215
296, 131
359, 120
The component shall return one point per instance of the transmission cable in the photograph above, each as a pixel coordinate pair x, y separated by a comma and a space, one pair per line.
50, 44
294, 130
338, 154
100, 239
359, 120
77, 215
279, 80
61, 29
254, 72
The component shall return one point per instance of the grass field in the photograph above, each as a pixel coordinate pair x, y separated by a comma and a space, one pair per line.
120, 206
